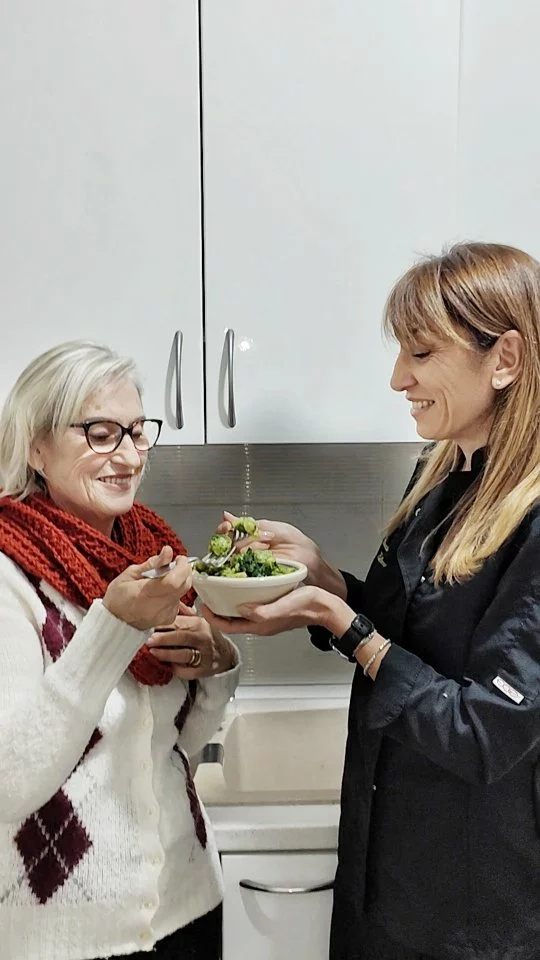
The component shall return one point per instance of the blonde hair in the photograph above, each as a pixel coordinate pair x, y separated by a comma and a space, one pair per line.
49, 395
472, 295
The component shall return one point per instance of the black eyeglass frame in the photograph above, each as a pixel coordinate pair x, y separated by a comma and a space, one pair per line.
87, 424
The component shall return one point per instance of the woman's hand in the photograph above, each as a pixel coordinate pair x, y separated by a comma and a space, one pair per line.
303, 607
143, 603
191, 647
282, 538
289, 543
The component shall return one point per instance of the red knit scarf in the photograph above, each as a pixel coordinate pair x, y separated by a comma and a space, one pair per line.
80, 562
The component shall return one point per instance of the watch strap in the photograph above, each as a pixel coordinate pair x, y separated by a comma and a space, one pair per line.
359, 633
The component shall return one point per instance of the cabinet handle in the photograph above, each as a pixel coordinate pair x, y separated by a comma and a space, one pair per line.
178, 344
229, 342
267, 888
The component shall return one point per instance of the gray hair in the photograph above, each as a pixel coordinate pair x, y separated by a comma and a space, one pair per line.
49, 395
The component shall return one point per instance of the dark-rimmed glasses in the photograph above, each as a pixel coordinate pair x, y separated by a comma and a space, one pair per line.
105, 436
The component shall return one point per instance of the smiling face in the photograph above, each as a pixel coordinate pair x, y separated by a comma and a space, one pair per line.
463, 321
96, 487
450, 388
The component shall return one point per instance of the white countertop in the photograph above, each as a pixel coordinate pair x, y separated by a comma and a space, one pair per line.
291, 827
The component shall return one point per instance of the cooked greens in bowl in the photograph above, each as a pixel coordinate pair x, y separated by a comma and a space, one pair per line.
250, 576
250, 563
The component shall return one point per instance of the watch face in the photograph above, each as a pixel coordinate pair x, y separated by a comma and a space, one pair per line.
362, 626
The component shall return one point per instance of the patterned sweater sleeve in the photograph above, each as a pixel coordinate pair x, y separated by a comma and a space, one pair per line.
48, 715
208, 709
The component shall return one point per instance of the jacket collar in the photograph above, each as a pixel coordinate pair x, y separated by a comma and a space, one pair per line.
429, 512
478, 461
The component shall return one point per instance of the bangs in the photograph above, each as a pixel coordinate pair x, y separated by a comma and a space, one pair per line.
417, 312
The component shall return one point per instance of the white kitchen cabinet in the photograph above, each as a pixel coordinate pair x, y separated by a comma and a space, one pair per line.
499, 135
329, 163
100, 233
329, 136
277, 924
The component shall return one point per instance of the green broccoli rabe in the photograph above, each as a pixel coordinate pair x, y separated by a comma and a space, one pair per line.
250, 563
246, 525
219, 545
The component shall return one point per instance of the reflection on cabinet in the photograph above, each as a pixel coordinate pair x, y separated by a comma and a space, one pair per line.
277, 905
499, 137
329, 135
100, 231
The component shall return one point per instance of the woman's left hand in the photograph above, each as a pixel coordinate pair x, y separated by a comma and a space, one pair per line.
192, 647
304, 607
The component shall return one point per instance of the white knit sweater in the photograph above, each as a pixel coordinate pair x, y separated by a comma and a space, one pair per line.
98, 850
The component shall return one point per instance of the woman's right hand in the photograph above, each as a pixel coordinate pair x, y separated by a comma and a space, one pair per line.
144, 603
289, 543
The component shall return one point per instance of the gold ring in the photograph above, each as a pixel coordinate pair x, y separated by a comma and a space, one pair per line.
195, 659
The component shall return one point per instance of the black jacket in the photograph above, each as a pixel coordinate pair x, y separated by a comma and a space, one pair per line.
440, 820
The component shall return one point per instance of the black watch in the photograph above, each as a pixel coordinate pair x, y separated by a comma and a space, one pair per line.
361, 629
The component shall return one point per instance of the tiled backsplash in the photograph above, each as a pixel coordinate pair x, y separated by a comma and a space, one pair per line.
339, 494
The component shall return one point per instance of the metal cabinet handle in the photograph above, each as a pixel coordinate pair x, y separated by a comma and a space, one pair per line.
178, 344
267, 888
229, 342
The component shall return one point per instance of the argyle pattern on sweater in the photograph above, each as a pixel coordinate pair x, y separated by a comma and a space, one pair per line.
194, 805
53, 840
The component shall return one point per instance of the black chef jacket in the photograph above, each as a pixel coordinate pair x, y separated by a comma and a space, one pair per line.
439, 836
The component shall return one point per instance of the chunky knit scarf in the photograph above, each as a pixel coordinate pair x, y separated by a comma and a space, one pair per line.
80, 562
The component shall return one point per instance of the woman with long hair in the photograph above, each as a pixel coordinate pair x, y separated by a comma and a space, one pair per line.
439, 841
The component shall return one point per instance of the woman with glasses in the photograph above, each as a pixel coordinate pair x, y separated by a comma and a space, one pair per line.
109, 681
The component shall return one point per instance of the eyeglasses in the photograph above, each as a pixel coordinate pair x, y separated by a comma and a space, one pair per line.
105, 436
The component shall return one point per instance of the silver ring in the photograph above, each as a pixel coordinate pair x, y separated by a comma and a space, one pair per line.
195, 659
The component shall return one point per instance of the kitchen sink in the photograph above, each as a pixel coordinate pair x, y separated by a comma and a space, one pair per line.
280, 753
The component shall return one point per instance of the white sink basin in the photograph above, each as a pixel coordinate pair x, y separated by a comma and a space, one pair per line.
278, 753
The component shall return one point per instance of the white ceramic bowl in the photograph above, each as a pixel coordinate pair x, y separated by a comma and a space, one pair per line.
223, 595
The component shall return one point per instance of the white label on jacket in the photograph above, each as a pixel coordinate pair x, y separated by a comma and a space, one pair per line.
505, 687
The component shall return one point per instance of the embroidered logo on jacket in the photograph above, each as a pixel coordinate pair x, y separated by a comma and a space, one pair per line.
509, 691
380, 555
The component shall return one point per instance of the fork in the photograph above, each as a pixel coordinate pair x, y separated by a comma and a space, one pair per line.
210, 560
218, 562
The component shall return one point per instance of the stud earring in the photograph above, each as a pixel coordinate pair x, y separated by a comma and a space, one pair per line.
497, 384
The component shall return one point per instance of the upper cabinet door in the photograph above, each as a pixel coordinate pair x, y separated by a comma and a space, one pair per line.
329, 145
100, 232
499, 133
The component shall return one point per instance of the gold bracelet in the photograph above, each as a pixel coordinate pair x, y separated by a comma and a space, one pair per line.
374, 656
